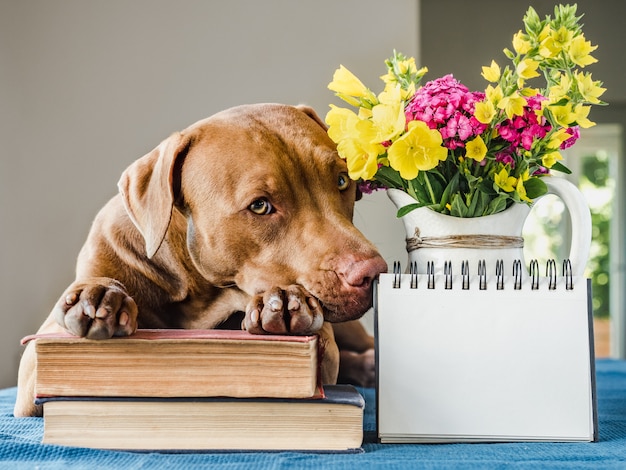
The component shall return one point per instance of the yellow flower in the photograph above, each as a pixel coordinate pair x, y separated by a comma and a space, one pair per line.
527, 68
360, 151
521, 43
557, 138
494, 95
354, 137
525, 176
345, 82
561, 90
545, 33
341, 123
388, 120
484, 111
581, 112
566, 116
548, 49
529, 91
392, 94
588, 88
419, 149
392, 87
580, 50
408, 93
562, 37
552, 41
504, 181
407, 66
361, 160
513, 105
550, 159
521, 191
563, 115
350, 89
492, 73
476, 149
365, 113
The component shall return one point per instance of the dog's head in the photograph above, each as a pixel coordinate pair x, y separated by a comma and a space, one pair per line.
268, 203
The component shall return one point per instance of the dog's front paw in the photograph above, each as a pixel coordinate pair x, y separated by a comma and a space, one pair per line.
97, 309
284, 311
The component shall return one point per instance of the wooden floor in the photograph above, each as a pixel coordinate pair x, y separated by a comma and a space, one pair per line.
601, 330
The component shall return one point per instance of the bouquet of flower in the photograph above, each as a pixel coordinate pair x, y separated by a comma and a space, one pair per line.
467, 153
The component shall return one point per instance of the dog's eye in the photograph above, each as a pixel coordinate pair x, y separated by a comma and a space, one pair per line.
343, 181
261, 206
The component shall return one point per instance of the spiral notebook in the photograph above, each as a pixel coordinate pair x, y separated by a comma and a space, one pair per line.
506, 357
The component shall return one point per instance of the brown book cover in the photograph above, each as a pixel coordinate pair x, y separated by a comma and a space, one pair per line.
178, 363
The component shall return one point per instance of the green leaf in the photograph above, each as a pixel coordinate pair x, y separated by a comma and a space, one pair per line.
480, 207
389, 177
450, 189
497, 205
458, 207
420, 192
408, 208
486, 186
561, 102
535, 187
532, 21
473, 206
558, 166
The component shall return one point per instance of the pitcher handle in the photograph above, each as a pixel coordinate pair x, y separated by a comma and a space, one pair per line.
580, 217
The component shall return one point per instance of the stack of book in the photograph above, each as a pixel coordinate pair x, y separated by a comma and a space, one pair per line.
193, 390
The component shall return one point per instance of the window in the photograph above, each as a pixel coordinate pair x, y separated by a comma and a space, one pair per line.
594, 163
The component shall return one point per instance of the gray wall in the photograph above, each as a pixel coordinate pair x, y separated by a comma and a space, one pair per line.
460, 37
86, 87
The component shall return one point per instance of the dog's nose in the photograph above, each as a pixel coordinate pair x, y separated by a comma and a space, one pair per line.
361, 273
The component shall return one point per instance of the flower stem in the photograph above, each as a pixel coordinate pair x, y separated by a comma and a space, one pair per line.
431, 193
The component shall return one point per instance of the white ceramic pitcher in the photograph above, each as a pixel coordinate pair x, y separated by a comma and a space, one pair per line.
436, 237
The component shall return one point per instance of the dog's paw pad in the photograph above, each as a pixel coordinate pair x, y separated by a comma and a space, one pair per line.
96, 310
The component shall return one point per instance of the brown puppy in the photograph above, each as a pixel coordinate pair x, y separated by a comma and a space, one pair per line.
241, 220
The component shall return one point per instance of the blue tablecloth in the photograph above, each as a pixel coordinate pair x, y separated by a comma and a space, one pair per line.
21, 448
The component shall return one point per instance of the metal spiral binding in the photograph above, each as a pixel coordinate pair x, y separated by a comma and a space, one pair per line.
567, 274
534, 274
499, 274
413, 273
397, 274
482, 275
465, 276
430, 271
517, 274
447, 271
551, 274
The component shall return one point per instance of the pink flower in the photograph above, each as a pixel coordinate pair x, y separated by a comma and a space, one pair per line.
575, 135
505, 158
522, 131
368, 187
447, 105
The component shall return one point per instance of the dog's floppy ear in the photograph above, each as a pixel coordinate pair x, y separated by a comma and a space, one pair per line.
148, 190
313, 115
